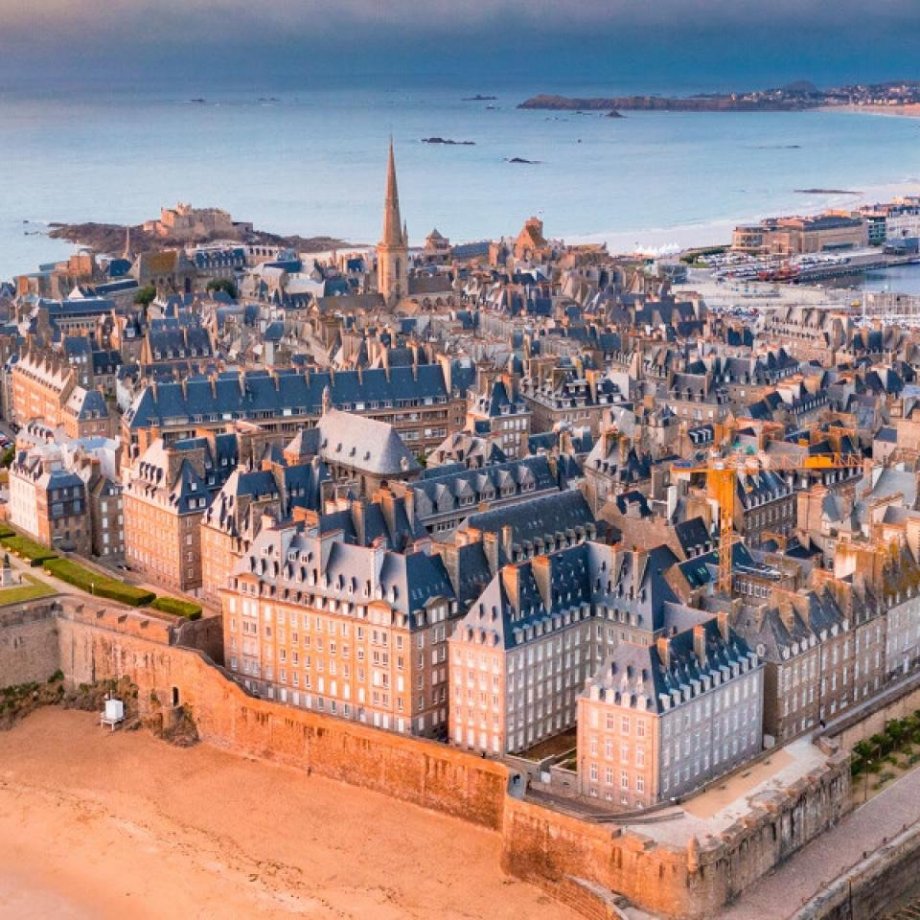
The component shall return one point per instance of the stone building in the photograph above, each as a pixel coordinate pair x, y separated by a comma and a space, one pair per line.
48, 500
44, 387
417, 400
660, 720
538, 631
496, 411
823, 652
567, 393
444, 499
356, 631
273, 492
166, 494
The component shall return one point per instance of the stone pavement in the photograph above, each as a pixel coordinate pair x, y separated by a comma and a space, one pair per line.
779, 895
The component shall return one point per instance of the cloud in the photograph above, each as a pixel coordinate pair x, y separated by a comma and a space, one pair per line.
206, 20
142, 35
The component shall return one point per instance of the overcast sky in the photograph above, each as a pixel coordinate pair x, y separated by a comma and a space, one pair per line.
653, 42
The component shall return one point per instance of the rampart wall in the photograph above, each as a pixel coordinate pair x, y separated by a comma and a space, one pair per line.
579, 862
29, 649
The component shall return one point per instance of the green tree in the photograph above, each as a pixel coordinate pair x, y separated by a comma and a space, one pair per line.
145, 296
223, 284
6, 459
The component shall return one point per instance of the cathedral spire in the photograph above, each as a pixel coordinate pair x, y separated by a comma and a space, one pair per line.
392, 223
393, 248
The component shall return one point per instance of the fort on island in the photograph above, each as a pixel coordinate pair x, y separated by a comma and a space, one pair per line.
614, 558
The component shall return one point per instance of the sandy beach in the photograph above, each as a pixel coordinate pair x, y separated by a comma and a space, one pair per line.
908, 110
96, 824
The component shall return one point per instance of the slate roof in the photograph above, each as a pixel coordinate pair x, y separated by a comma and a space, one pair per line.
252, 394
638, 677
363, 443
539, 520
513, 609
294, 560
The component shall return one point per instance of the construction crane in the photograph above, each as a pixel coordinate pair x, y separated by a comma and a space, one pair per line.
721, 473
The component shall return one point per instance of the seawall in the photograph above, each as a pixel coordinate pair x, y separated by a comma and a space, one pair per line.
867, 890
579, 862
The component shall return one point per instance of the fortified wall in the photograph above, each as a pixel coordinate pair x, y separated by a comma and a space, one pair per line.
579, 862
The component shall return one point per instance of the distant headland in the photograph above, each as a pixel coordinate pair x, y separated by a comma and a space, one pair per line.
794, 97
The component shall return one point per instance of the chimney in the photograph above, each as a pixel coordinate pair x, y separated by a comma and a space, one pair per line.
490, 548
359, 517
699, 643
507, 534
663, 645
307, 515
511, 580
409, 501
450, 555
542, 567
722, 617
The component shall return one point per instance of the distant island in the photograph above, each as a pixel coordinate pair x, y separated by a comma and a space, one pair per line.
826, 191
448, 142
110, 238
479, 98
521, 160
794, 97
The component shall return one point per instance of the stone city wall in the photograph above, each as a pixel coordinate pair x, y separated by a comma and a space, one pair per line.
551, 850
29, 650
580, 863
870, 888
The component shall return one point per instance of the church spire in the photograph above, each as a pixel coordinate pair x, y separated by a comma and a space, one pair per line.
392, 223
393, 248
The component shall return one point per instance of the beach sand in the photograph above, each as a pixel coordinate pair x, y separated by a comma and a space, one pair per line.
95, 824
908, 110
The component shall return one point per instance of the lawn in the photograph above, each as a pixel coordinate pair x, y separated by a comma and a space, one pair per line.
98, 585
29, 590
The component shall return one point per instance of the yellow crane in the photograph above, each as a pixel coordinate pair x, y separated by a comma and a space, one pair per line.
721, 473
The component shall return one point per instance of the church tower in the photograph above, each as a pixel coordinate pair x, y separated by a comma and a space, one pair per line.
393, 248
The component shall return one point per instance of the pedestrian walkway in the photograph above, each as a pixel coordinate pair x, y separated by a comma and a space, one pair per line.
779, 895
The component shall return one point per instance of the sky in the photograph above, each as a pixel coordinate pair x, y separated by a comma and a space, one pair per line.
654, 44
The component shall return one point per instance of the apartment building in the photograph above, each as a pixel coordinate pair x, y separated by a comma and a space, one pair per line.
417, 400
823, 652
443, 500
497, 411
660, 720
356, 631
246, 500
48, 500
44, 387
525, 648
567, 392
166, 494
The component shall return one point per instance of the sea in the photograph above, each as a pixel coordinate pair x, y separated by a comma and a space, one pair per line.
311, 161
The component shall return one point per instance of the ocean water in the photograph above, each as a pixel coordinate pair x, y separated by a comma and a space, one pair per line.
313, 162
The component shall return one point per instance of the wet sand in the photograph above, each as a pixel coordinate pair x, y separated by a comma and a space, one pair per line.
95, 824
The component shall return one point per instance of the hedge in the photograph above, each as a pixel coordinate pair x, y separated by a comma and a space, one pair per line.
179, 607
28, 549
98, 585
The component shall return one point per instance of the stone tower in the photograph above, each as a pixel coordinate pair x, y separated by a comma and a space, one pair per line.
393, 248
